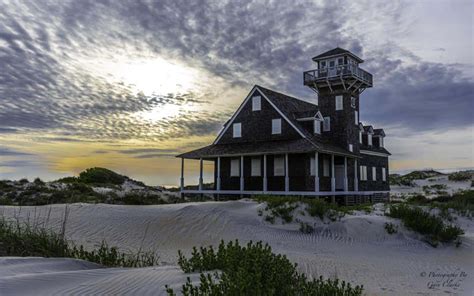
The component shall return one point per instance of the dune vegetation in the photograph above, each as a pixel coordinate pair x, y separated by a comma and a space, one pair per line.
252, 269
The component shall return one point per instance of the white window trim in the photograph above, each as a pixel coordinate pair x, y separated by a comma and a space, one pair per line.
235, 167
327, 124
256, 103
311, 166
351, 148
369, 139
374, 173
384, 174
356, 117
276, 126
279, 171
256, 167
339, 103
237, 130
360, 137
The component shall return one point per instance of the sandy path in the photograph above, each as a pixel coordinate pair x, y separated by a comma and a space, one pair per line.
357, 248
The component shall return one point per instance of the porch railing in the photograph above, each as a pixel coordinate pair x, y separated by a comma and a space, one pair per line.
337, 71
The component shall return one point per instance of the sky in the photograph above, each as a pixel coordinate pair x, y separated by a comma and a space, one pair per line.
127, 85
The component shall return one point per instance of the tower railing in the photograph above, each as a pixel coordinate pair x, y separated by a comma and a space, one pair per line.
337, 71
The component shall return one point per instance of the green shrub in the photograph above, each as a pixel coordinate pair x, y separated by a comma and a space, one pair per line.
18, 239
24, 181
391, 228
101, 176
431, 226
39, 182
461, 176
252, 270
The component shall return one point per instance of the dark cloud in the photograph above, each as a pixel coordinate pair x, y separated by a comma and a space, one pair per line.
145, 150
45, 51
155, 155
11, 152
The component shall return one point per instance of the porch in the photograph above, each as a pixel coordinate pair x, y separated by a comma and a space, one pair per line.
300, 174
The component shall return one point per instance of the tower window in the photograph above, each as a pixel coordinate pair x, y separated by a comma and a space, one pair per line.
340, 61
256, 103
323, 64
381, 141
327, 124
339, 105
276, 126
369, 139
237, 130
331, 64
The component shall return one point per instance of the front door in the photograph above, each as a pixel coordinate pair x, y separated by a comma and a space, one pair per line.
339, 173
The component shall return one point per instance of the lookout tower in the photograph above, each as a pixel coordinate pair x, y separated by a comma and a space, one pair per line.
339, 81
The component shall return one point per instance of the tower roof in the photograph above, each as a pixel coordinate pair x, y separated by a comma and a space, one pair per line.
336, 52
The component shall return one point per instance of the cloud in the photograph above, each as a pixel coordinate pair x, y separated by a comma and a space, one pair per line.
10, 152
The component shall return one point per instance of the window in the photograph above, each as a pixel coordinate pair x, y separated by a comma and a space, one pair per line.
360, 137
356, 117
327, 124
374, 174
363, 173
235, 167
323, 64
279, 166
351, 148
384, 175
237, 129
312, 166
325, 167
381, 141
256, 169
340, 61
332, 64
339, 103
256, 103
353, 102
276, 126
317, 126
369, 139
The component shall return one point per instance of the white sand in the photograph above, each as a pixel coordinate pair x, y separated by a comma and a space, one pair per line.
452, 186
355, 249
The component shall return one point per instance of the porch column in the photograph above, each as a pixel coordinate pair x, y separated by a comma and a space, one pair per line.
242, 173
356, 178
200, 174
346, 185
316, 171
333, 177
218, 181
287, 178
182, 174
265, 173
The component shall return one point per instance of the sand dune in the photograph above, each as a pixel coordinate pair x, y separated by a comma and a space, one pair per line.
356, 249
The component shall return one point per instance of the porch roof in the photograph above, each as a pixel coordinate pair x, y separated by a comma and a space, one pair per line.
269, 147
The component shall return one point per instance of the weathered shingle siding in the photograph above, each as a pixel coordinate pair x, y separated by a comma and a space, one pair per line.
379, 162
257, 125
344, 130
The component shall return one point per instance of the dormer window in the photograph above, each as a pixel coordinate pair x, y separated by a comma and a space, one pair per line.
369, 139
237, 130
340, 61
256, 103
276, 126
323, 64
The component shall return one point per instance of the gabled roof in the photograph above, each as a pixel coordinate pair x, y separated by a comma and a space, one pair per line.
368, 129
335, 52
379, 132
